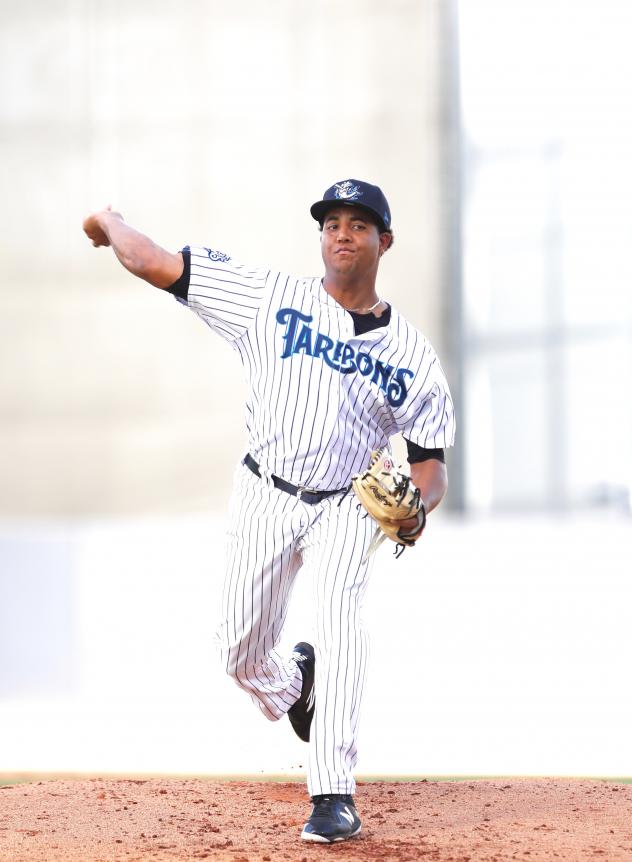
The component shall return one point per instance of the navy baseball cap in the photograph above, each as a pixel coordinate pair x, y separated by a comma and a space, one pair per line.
355, 193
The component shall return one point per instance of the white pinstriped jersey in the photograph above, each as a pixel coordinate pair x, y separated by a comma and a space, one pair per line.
320, 398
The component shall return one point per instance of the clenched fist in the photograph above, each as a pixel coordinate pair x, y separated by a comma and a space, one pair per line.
93, 225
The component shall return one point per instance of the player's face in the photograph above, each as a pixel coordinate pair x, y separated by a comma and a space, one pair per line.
351, 243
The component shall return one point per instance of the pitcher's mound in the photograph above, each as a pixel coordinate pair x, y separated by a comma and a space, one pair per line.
107, 820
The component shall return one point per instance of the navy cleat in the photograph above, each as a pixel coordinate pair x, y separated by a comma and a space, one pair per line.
334, 818
301, 713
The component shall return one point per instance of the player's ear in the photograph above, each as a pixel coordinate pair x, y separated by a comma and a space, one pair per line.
386, 241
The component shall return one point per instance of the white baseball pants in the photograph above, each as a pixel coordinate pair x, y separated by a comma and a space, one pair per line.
271, 535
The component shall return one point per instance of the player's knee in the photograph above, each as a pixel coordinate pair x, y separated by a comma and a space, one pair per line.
235, 662
238, 661
232, 651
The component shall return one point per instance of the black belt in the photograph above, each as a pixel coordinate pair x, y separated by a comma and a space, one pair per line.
303, 494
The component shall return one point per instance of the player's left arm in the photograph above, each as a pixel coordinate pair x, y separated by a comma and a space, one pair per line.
431, 477
429, 474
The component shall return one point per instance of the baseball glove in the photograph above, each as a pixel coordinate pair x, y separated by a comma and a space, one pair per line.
389, 497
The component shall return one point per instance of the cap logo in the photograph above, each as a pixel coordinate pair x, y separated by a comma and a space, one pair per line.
347, 191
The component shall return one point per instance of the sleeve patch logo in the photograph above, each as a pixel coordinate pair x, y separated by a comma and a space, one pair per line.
217, 255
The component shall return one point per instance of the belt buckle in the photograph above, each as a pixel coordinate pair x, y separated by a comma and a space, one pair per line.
300, 490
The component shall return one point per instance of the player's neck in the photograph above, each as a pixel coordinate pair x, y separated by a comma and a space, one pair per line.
351, 295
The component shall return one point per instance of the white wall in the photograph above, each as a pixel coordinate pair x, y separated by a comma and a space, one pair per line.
202, 122
498, 647
546, 254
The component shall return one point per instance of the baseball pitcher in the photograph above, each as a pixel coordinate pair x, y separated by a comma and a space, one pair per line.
333, 371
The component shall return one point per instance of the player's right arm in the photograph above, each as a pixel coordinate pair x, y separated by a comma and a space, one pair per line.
138, 254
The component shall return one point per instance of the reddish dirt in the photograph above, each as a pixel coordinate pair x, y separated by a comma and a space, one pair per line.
111, 820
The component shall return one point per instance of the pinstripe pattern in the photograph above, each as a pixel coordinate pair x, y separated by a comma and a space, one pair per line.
270, 535
262, 562
318, 442
333, 550
320, 399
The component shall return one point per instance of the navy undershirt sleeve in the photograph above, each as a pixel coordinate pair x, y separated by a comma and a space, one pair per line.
417, 454
180, 288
